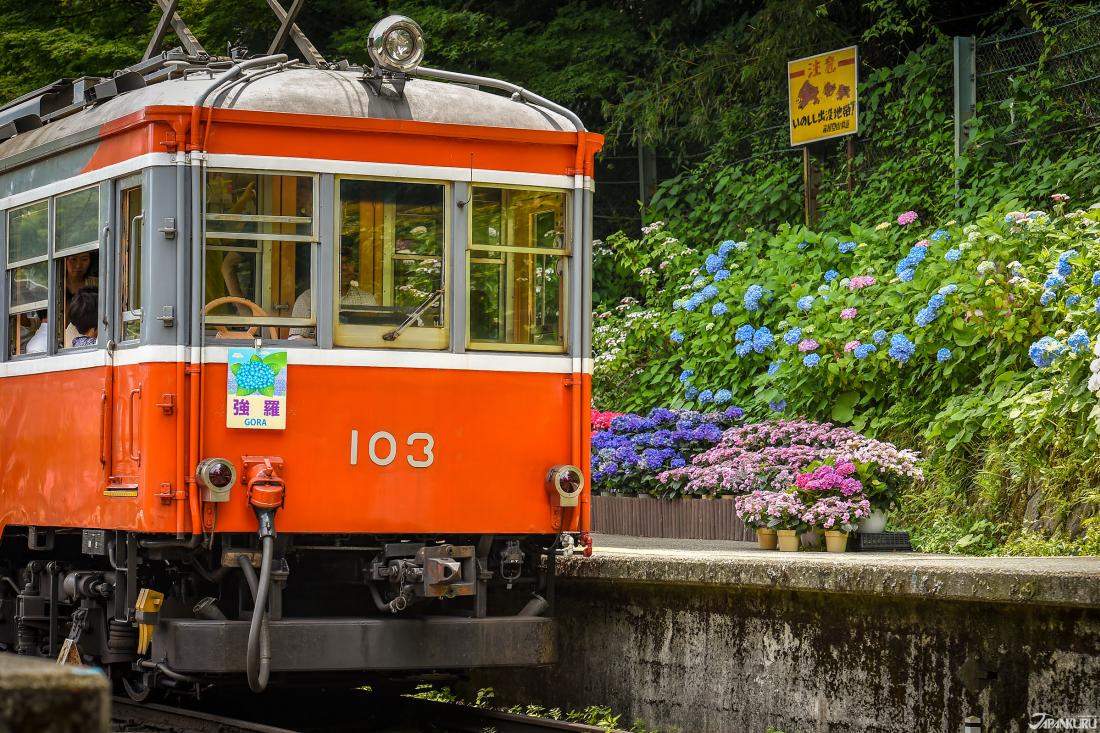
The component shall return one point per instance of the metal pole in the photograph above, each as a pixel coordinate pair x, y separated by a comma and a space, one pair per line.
966, 90
973, 724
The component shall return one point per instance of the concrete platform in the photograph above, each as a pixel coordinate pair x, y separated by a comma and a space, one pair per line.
38, 696
1058, 581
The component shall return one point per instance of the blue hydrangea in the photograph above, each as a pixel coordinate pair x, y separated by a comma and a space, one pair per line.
743, 349
802, 246
792, 337
845, 282
706, 396
943, 355
880, 336
254, 376
1096, 305
691, 392
1079, 340
901, 348
721, 275
698, 282
1096, 278
846, 247
714, 263
917, 254
1073, 300
864, 350
940, 234
690, 304
677, 304
948, 289
953, 255
805, 303
1063, 268
753, 296
677, 337
1044, 351
708, 292
725, 247
811, 360
1054, 281
779, 406
741, 246
773, 368
762, 339
722, 396
1048, 297
831, 275
718, 309
686, 375
907, 275
824, 289
926, 316
903, 265
937, 301
745, 332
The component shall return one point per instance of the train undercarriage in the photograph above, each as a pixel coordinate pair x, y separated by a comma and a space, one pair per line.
159, 613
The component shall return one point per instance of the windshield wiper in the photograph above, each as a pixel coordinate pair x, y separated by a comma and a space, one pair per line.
414, 316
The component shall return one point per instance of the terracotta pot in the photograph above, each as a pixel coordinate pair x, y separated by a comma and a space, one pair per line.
874, 523
836, 541
766, 538
788, 540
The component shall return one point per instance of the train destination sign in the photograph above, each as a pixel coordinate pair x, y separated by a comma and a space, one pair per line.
256, 389
822, 96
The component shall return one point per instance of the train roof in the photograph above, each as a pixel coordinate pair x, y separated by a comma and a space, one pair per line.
298, 90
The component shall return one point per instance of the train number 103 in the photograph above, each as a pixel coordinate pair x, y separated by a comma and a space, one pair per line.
382, 449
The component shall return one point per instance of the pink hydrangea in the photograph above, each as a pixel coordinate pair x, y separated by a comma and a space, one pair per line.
808, 345
907, 218
863, 281
852, 345
602, 420
848, 314
831, 479
1060, 197
923, 243
830, 511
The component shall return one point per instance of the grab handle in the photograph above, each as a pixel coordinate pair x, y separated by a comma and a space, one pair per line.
133, 457
135, 259
103, 429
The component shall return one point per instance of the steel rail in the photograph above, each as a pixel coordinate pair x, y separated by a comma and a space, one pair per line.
163, 717
468, 719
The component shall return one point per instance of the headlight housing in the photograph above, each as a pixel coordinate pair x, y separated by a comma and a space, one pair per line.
564, 483
396, 43
216, 476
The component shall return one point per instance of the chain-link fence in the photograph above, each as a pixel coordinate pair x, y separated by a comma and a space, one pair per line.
1066, 53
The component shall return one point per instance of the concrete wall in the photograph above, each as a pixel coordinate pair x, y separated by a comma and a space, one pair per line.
38, 696
809, 645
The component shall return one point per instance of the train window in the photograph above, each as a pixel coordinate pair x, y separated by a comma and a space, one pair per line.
130, 263
261, 240
76, 246
28, 277
517, 260
392, 237
76, 220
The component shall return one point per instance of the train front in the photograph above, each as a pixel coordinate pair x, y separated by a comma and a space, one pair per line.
392, 343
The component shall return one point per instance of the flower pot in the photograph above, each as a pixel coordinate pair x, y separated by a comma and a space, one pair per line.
836, 541
645, 496
731, 497
766, 538
809, 539
708, 496
788, 540
874, 523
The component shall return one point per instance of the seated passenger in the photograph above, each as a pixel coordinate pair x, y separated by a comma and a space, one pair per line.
83, 315
350, 294
37, 344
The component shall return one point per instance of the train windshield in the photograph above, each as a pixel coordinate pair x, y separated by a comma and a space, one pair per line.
261, 236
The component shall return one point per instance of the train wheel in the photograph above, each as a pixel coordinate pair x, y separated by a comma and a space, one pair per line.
137, 690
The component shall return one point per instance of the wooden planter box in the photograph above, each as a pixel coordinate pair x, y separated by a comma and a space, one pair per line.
694, 519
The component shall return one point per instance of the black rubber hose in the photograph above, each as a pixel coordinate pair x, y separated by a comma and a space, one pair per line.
258, 655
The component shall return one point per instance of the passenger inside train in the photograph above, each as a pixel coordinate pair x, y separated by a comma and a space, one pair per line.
83, 312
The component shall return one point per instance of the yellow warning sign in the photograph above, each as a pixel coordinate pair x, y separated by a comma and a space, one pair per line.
823, 96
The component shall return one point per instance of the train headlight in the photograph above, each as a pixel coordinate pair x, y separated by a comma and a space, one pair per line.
564, 484
216, 476
396, 43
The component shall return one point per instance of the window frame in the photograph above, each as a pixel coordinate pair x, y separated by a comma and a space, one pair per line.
565, 252
261, 238
361, 336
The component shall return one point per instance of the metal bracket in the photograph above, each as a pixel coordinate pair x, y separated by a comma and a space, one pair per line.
169, 228
168, 404
169, 317
377, 76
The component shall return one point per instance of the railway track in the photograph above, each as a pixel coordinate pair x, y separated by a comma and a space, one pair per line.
407, 715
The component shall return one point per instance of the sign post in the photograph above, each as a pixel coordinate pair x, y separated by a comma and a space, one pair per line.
823, 104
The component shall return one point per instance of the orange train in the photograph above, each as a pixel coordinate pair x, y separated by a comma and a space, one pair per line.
296, 376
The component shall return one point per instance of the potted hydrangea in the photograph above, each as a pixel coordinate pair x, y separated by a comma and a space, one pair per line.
780, 511
752, 509
835, 500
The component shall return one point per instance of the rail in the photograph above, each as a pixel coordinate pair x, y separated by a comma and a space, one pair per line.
416, 715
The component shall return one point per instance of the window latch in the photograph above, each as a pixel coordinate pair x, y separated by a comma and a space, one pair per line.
169, 228
169, 317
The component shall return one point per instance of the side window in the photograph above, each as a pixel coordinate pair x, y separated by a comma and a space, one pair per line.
129, 271
76, 259
517, 259
392, 237
28, 278
261, 244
